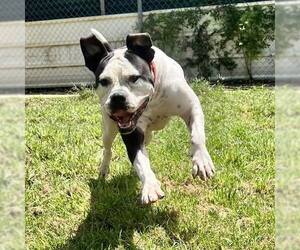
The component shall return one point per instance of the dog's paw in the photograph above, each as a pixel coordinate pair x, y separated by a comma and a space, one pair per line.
151, 192
104, 171
203, 166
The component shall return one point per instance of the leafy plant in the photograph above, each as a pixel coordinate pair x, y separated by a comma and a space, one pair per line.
165, 29
201, 54
249, 30
215, 35
287, 27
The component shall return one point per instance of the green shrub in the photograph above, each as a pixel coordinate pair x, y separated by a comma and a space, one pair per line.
216, 35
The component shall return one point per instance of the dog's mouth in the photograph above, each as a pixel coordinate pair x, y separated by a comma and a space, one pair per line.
127, 120
123, 118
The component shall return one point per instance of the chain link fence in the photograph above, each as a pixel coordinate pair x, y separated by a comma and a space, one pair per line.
54, 27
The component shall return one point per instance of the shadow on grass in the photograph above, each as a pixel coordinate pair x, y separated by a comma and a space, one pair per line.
115, 214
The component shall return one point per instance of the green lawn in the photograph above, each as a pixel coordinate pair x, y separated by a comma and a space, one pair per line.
287, 167
69, 207
12, 172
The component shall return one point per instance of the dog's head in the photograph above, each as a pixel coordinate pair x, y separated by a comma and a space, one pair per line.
124, 80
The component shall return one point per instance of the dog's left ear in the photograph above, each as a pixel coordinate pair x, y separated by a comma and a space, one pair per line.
140, 44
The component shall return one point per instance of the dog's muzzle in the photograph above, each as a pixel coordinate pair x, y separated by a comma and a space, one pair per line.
127, 120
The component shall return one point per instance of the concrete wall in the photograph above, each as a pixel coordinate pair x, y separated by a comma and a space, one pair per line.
12, 52
53, 56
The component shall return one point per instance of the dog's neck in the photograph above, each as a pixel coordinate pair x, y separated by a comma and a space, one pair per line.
154, 72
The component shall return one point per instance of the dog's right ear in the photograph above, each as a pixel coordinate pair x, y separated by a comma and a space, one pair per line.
94, 48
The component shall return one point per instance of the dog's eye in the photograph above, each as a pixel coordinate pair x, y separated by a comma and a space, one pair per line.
133, 78
104, 82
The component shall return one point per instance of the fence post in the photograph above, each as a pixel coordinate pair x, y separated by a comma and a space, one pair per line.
102, 7
140, 15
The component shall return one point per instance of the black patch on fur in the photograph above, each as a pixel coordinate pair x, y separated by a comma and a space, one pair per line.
133, 142
141, 65
140, 44
149, 118
102, 64
93, 51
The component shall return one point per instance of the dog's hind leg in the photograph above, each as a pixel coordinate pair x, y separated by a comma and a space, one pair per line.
109, 130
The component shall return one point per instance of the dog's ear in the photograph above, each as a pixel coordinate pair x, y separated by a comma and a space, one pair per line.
94, 48
140, 44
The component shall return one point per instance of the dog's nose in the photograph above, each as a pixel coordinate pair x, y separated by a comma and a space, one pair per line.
117, 101
117, 98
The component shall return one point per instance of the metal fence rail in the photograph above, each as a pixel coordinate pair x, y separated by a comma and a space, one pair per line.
54, 27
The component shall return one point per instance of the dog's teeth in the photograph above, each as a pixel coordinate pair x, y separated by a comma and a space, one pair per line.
125, 125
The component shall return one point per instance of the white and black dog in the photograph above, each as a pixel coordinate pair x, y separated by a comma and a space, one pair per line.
140, 88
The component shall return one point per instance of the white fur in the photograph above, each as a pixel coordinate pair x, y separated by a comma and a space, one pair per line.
118, 70
99, 36
171, 96
151, 190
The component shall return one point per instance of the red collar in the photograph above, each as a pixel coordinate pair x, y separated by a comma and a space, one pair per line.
153, 70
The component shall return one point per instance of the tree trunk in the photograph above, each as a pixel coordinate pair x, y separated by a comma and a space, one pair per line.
248, 63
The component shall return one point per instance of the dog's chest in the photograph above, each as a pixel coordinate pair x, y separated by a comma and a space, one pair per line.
153, 118
160, 109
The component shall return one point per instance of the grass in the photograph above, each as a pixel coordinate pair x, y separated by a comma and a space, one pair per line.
287, 168
11, 172
69, 207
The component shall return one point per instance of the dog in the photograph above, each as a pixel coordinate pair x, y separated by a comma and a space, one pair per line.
140, 88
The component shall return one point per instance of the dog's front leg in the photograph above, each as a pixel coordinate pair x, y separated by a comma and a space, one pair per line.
110, 131
137, 154
202, 163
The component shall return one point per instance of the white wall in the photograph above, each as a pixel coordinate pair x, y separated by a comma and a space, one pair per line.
53, 56
12, 51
